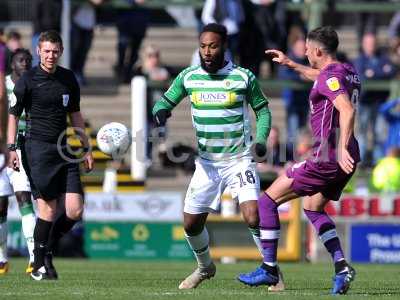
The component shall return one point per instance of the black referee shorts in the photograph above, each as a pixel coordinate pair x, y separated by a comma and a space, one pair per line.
51, 171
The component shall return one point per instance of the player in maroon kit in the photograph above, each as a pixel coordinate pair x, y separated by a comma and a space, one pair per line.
322, 176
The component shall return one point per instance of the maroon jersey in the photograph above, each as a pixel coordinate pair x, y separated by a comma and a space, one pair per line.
334, 80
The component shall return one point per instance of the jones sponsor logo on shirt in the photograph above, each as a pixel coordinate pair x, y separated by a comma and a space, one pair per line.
216, 98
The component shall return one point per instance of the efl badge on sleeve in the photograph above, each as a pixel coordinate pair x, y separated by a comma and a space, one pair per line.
65, 100
333, 84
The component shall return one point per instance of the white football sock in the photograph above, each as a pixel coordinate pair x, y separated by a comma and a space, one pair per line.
255, 232
28, 226
3, 241
199, 245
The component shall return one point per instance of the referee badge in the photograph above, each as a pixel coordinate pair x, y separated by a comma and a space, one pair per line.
65, 99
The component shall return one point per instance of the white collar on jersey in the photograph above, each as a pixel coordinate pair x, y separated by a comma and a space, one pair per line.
228, 67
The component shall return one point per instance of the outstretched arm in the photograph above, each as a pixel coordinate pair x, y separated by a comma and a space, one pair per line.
280, 58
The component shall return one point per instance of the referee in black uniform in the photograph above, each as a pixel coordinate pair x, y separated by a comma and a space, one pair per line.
49, 93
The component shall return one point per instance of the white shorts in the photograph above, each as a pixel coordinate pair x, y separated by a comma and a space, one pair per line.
211, 178
12, 181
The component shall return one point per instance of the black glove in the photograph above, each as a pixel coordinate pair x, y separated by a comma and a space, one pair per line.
161, 116
260, 150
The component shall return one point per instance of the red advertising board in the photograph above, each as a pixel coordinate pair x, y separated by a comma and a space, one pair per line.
365, 206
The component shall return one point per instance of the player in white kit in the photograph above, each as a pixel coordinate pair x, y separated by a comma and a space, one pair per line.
12, 181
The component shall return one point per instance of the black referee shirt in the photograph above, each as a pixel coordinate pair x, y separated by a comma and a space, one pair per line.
46, 98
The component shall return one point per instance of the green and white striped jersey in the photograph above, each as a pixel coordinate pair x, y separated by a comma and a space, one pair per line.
219, 107
12, 100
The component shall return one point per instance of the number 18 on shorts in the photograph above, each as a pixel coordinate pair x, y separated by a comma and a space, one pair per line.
211, 178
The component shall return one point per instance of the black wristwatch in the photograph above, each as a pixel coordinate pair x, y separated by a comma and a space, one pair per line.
11, 147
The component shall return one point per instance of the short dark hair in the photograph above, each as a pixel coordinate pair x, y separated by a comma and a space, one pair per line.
21, 51
216, 28
326, 36
50, 36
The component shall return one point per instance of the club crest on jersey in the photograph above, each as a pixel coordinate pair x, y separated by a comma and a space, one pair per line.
227, 83
333, 84
65, 100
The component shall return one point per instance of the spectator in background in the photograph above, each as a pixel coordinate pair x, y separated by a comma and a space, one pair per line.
366, 23
269, 16
13, 42
270, 20
391, 112
250, 41
184, 15
394, 36
46, 15
394, 47
151, 67
371, 64
132, 25
83, 23
296, 101
386, 174
228, 13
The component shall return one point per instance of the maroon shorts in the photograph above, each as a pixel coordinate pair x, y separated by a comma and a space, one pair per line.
311, 178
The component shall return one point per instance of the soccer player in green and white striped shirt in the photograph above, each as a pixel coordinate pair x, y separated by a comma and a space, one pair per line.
220, 93
16, 182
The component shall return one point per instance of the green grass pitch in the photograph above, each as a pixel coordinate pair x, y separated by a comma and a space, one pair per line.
102, 279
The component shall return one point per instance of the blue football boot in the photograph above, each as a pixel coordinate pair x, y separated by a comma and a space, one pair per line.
258, 277
342, 280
